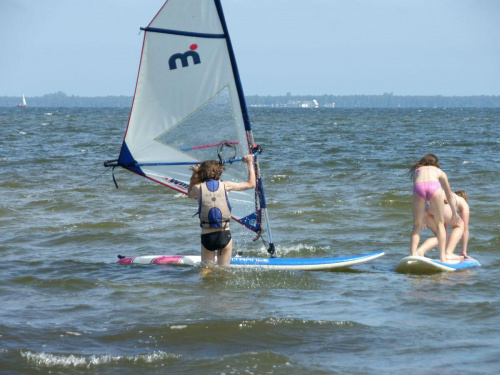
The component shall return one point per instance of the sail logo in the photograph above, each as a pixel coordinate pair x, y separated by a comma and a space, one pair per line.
183, 58
172, 182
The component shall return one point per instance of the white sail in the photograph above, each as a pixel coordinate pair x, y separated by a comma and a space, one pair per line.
23, 104
188, 99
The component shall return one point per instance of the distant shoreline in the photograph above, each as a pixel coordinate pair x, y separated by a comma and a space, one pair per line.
386, 100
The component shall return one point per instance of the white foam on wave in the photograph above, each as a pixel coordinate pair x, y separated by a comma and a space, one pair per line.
71, 360
279, 177
282, 250
287, 321
178, 327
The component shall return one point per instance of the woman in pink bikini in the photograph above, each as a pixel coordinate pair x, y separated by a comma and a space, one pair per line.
429, 181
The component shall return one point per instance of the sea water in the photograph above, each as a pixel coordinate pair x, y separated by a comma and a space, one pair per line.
337, 184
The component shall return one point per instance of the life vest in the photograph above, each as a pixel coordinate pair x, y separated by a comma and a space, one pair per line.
214, 208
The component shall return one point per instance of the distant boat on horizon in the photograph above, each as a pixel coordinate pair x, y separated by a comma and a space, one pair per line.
23, 104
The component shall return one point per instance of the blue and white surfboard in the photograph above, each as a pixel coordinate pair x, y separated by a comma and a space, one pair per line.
420, 265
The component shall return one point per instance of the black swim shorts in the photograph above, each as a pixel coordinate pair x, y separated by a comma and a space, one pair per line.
216, 240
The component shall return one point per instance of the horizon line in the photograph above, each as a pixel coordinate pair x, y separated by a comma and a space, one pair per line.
264, 95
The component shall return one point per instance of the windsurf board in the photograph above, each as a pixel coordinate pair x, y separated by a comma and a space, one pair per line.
301, 264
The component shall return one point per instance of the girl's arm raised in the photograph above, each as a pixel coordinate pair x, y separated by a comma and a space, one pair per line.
193, 189
250, 183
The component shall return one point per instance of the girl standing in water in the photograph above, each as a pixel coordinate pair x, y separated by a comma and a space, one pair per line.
214, 208
429, 181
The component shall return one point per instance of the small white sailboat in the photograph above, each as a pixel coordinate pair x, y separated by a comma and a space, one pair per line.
23, 104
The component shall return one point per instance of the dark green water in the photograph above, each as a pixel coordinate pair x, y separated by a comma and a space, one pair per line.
337, 185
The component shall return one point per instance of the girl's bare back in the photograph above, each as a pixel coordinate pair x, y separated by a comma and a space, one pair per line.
427, 173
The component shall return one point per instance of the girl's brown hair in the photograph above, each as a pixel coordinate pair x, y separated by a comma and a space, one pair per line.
427, 160
208, 170
463, 194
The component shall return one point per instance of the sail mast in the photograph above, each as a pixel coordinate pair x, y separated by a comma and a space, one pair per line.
246, 119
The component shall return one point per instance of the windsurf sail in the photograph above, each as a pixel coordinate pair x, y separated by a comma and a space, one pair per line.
189, 104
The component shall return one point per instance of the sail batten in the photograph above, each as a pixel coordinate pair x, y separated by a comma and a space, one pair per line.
182, 33
188, 101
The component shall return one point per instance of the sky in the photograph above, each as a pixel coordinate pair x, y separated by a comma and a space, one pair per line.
305, 47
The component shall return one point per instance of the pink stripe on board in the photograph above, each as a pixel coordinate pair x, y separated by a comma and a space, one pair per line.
167, 259
125, 260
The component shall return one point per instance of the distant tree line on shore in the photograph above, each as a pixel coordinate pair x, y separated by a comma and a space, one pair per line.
386, 100
60, 99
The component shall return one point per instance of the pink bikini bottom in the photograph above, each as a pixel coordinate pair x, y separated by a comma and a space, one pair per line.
426, 189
